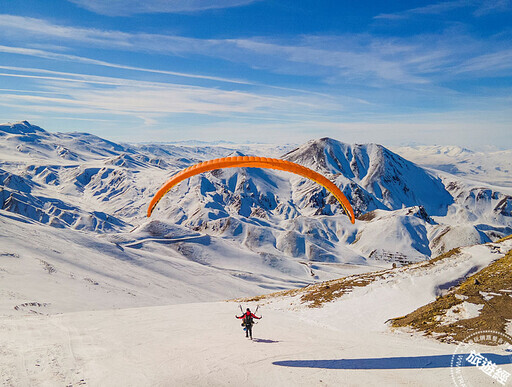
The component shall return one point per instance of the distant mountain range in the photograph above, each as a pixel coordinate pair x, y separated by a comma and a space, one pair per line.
406, 212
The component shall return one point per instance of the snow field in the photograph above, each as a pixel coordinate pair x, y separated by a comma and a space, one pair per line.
200, 345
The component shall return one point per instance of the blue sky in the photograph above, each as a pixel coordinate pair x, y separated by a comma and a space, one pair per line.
395, 73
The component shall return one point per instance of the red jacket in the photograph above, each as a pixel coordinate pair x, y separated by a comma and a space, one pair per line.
249, 314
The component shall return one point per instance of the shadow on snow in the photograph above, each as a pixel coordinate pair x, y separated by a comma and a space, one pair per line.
265, 341
390, 363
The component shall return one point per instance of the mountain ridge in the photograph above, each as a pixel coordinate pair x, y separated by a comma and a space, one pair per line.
292, 225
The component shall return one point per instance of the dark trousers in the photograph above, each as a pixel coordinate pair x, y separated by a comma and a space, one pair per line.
248, 331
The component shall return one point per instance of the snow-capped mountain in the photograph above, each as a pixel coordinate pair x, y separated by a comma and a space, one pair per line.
264, 229
375, 177
36, 143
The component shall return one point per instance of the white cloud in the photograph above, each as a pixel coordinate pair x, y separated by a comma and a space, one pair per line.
79, 59
481, 7
132, 7
492, 6
84, 60
349, 57
101, 95
431, 9
363, 59
39, 29
348, 61
487, 64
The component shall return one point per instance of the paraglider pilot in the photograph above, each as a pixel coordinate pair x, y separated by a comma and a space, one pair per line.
247, 321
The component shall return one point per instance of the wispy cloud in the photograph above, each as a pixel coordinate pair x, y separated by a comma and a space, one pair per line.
39, 27
80, 59
492, 6
487, 64
431, 9
479, 7
348, 57
41, 30
123, 96
353, 59
132, 7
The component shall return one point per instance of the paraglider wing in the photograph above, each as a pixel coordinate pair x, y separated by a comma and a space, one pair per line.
253, 162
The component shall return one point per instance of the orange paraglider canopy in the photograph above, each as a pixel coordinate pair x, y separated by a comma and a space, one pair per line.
253, 162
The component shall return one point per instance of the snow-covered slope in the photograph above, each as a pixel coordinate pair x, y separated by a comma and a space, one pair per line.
368, 301
46, 270
345, 342
402, 235
173, 345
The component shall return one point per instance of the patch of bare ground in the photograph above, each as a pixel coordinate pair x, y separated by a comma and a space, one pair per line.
315, 295
490, 287
367, 216
31, 307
